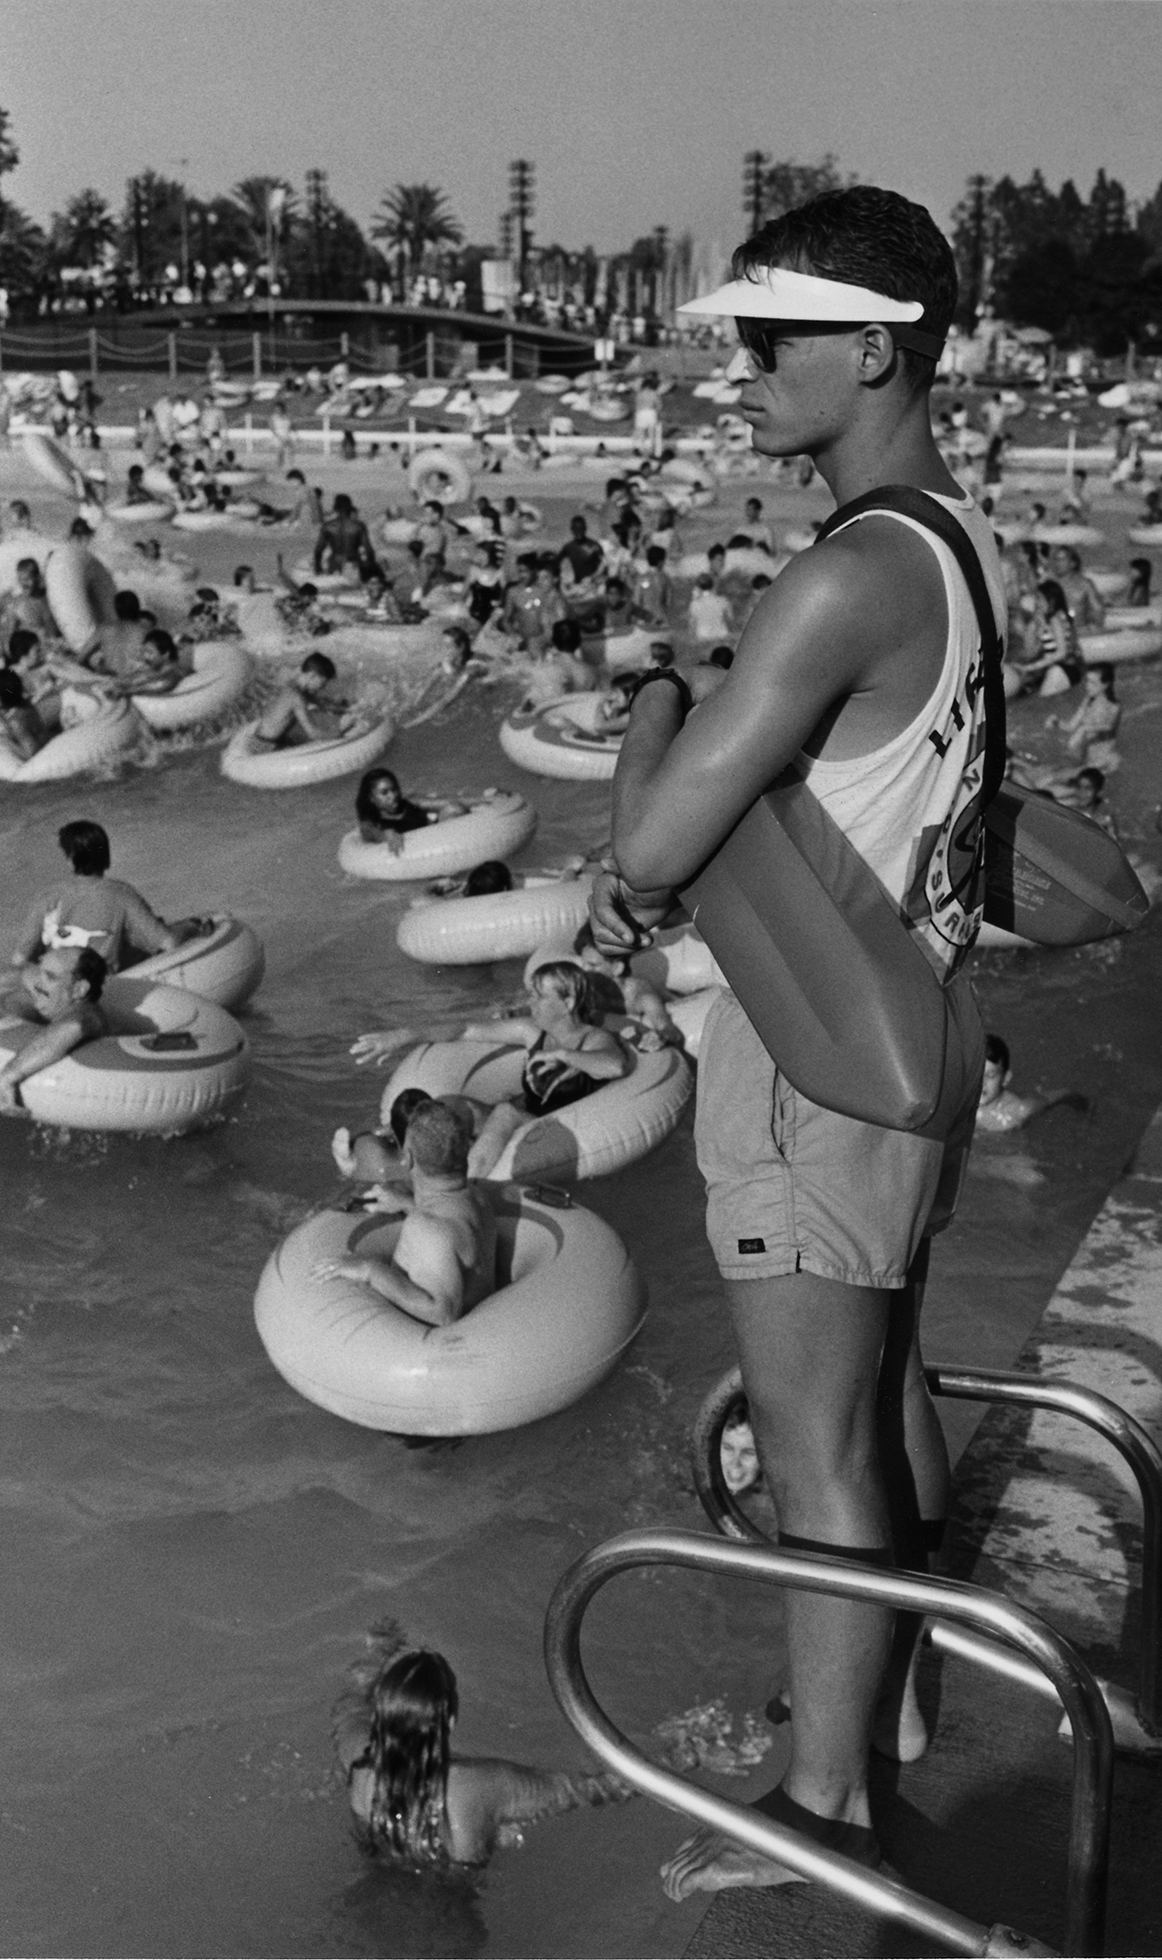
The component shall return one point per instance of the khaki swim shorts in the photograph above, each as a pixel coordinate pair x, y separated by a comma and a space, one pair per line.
791, 1187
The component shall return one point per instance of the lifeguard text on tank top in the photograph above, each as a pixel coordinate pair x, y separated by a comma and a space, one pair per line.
912, 809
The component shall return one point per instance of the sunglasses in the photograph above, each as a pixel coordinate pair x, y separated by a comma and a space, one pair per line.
761, 337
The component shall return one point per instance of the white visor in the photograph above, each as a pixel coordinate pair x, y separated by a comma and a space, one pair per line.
774, 292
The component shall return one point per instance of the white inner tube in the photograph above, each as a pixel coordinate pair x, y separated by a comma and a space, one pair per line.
96, 732
439, 474
1123, 619
221, 671
614, 1125
569, 1303
560, 740
80, 593
309, 762
156, 511
52, 462
1066, 534
493, 828
1130, 643
495, 926
169, 1062
1145, 534
224, 965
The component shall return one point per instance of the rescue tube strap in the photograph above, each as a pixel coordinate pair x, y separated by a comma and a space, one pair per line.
926, 511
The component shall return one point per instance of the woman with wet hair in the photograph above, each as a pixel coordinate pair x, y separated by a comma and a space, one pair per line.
413, 1799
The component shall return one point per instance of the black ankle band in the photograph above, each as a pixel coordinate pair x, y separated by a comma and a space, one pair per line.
863, 1554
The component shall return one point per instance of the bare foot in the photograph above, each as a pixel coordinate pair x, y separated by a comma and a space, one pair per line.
709, 1862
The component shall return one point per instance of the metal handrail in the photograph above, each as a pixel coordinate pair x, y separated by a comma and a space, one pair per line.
1092, 1738
1137, 1448
1137, 1723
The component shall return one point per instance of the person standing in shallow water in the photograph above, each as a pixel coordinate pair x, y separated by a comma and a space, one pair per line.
861, 669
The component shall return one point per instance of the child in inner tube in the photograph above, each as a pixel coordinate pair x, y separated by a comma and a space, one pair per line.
286, 721
414, 1801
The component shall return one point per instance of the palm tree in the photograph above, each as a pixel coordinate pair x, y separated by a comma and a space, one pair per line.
9, 154
413, 217
85, 229
268, 207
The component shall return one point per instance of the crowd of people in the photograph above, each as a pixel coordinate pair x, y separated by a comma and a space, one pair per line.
820, 1225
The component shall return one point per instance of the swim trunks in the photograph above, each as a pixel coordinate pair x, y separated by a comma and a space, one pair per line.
792, 1187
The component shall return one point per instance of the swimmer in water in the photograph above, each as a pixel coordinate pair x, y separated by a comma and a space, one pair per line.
64, 986
1000, 1109
376, 1156
286, 720
21, 726
88, 909
741, 1469
444, 1263
385, 814
414, 1800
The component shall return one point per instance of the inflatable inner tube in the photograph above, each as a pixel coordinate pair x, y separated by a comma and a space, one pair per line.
612, 1126
156, 511
1127, 643
53, 463
441, 474
169, 1063
80, 592
568, 1304
244, 761
1078, 534
494, 827
96, 731
221, 671
1145, 534
495, 926
1121, 619
224, 965
562, 740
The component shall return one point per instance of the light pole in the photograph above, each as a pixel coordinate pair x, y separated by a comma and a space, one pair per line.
754, 166
275, 206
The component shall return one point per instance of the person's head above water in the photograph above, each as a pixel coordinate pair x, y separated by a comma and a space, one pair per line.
848, 263
317, 669
414, 1705
12, 693
437, 1140
127, 607
484, 879
63, 976
86, 846
563, 981
342, 506
378, 794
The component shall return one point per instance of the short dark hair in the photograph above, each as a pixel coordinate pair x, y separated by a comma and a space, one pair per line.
127, 606
163, 641
566, 635
721, 657
22, 641
866, 237
86, 846
483, 879
93, 969
11, 689
343, 503
241, 572
403, 1109
656, 555
996, 1050
318, 663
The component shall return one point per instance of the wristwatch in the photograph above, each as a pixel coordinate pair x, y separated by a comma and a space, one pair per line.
675, 679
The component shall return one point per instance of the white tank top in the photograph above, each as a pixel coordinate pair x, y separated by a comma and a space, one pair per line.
912, 808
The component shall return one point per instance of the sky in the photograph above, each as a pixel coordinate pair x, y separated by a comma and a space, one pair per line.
636, 113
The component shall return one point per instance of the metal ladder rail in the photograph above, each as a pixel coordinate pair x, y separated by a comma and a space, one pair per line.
988, 1612
1137, 1724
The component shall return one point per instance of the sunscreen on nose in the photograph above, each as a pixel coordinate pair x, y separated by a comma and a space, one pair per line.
739, 367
